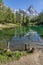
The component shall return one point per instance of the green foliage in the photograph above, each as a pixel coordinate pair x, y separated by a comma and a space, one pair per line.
9, 17
0, 1
38, 20
1, 16
3, 59
10, 56
18, 54
6, 15
25, 20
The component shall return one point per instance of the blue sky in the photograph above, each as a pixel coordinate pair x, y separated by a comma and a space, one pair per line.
24, 4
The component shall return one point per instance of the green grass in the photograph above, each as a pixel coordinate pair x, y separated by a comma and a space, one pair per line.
8, 56
18, 54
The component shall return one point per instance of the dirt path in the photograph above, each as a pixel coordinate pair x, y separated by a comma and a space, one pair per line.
33, 59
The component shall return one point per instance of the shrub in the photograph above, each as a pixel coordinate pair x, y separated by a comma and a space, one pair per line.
3, 59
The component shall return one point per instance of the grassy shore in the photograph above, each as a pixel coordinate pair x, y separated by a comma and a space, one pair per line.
22, 58
8, 25
8, 56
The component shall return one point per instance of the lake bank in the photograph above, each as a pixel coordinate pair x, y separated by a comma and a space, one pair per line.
35, 58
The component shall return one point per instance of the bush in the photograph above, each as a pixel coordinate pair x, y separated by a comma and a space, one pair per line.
3, 59
17, 54
9, 54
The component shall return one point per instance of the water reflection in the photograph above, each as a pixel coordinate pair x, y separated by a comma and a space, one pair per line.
21, 31
25, 38
33, 36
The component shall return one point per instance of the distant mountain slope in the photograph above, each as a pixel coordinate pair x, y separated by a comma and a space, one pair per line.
30, 11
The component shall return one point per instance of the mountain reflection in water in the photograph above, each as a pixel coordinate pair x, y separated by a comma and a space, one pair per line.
30, 36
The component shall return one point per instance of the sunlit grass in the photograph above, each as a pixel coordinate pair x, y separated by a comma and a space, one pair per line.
8, 56
8, 25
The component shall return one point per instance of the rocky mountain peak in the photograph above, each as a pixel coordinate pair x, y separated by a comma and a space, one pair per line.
31, 9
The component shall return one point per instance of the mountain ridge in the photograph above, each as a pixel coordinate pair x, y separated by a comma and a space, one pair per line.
30, 11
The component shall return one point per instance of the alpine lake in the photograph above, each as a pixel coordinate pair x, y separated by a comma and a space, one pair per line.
8, 33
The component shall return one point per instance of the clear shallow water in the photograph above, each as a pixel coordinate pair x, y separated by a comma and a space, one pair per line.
25, 34
30, 36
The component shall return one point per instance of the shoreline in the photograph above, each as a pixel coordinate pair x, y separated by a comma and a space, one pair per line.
35, 58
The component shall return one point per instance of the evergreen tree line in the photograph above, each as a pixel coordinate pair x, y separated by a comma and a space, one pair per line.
7, 16
38, 20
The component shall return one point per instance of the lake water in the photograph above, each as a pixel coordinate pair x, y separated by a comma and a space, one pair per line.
25, 35
29, 36
21, 35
